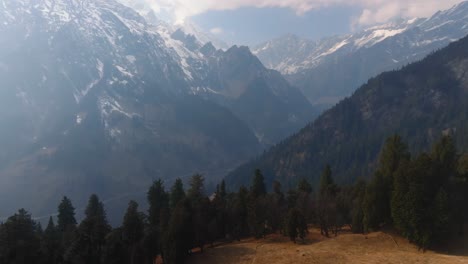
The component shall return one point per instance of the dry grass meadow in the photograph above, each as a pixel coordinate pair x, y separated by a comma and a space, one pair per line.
379, 247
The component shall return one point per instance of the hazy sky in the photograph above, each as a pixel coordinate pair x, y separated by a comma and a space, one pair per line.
253, 21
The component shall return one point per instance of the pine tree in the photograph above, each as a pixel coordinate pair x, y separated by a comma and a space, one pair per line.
304, 199
399, 202
197, 187
51, 243
258, 185
200, 206
222, 190
19, 241
180, 237
177, 193
357, 212
326, 212
115, 250
66, 216
296, 225
133, 230
394, 152
158, 217
92, 232
158, 201
237, 215
304, 186
257, 215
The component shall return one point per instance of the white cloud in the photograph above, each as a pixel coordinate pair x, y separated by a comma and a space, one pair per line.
374, 11
216, 31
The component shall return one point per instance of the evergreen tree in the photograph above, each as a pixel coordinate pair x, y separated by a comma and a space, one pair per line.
51, 244
66, 224
177, 193
197, 187
115, 250
357, 212
296, 225
394, 152
158, 217
257, 206
92, 232
304, 186
179, 239
19, 241
326, 212
218, 225
133, 231
258, 185
304, 199
158, 201
238, 213
277, 207
200, 206
66, 216
222, 190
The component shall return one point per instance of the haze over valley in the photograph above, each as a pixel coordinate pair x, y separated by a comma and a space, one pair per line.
342, 118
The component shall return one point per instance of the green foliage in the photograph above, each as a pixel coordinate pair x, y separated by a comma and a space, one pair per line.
115, 251
66, 215
304, 186
91, 234
177, 193
180, 236
424, 198
357, 211
158, 217
420, 102
326, 208
422, 209
50, 244
197, 187
133, 231
158, 201
258, 185
19, 242
296, 225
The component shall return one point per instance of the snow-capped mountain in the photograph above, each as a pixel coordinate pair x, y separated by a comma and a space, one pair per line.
96, 99
188, 27
332, 68
291, 54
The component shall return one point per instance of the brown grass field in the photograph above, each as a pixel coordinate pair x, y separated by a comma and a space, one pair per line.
378, 247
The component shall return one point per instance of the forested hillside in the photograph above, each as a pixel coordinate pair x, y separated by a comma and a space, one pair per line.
421, 102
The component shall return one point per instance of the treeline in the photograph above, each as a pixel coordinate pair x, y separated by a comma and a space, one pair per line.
176, 222
423, 197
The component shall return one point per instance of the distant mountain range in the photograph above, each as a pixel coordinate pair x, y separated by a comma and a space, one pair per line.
421, 102
95, 98
330, 69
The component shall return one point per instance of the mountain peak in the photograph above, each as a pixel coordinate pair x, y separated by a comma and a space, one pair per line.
208, 49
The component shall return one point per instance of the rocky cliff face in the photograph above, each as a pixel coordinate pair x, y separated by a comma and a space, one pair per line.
96, 99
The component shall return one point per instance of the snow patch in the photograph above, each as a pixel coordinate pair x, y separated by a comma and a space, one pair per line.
79, 95
131, 59
124, 71
377, 36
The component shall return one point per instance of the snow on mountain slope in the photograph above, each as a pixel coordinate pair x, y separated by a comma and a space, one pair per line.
330, 69
291, 54
188, 27
94, 98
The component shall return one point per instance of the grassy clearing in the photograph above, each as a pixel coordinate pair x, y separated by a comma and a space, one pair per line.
378, 247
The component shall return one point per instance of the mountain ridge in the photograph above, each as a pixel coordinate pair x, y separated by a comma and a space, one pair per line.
332, 68
102, 101
421, 102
